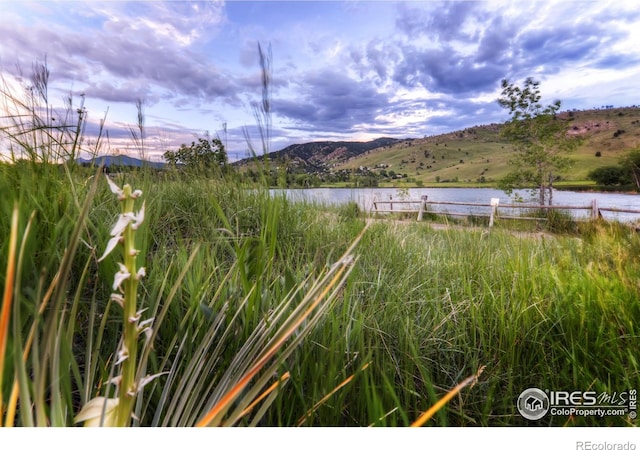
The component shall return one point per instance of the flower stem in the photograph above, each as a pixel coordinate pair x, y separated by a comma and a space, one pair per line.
128, 388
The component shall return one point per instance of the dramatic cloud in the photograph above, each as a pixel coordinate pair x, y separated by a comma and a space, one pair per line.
464, 51
331, 99
147, 44
341, 70
443, 22
445, 70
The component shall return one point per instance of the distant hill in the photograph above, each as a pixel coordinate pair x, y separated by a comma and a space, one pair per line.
120, 160
472, 155
325, 153
479, 154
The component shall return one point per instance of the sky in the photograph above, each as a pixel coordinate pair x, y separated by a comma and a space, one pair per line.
340, 70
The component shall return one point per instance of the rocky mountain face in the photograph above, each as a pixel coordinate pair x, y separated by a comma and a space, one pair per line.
325, 153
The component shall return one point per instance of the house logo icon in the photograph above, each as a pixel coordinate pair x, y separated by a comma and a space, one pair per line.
533, 404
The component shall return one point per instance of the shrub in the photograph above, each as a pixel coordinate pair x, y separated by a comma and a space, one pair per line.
608, 175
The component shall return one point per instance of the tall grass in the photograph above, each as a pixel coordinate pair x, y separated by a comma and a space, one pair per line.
266, 313
543, 313
420, 311
231, 321
36, 130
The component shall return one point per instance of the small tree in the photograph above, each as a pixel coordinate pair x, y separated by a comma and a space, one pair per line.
539, 137
205, 155
631, 165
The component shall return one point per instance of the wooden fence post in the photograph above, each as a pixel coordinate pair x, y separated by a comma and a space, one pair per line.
595, 212
494, 209
423, 206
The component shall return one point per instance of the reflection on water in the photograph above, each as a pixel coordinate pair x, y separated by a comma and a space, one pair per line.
365, 197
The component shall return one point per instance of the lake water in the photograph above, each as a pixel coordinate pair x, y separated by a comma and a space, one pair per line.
365, 197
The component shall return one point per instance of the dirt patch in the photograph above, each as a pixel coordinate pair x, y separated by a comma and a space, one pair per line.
590, 126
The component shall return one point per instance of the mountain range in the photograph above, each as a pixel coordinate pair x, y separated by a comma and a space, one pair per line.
325, 153
120, 160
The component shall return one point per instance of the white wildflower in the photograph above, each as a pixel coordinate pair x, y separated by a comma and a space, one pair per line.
125, 219
148, 379
137, 316
148, 332
145, 323
120, 276
123, 354
92, 412
113, 242
121, 224
141, 273
138, 218
145, 327
119, 299
115, 188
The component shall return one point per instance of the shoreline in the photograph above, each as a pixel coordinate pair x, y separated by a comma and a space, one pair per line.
568, 188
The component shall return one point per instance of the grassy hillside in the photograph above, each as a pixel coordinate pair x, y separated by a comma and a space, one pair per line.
468, 155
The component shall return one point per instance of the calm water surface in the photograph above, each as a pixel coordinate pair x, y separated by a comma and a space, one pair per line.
365, 197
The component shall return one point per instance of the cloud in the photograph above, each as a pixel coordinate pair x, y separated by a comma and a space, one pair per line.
449, 47
331, 100
382, 57
180, 22
443, 21
339, 69
445, 70
122, 92
617, 61
151, 49
555, 48
457, 52
463, 49
495, 42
